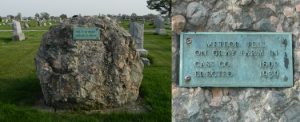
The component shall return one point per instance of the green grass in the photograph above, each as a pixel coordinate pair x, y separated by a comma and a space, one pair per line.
147, 25
20, 89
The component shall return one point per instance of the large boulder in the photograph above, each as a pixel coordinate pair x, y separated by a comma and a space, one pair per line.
88, 74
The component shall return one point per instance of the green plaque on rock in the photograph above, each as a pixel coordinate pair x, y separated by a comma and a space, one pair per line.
86, 33
236, 59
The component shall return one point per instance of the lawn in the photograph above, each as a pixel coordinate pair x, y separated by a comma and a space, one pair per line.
20, 89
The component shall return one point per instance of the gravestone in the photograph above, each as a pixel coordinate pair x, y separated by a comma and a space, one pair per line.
137, 32
18, 35
88, 63
159, 25
26, 25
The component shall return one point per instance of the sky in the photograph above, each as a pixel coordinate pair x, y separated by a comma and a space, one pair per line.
73, 7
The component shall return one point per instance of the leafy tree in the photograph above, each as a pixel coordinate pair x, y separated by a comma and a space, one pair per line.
162, 6
45, 15
37, 15
63, 16
0, 19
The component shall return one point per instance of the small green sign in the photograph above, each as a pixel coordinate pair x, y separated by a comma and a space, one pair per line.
236, 59
85, 33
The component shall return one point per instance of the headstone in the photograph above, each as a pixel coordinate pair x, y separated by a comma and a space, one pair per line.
61, 20
44, 24
18, 35
26, 25
88, 63
159, 25
137, 32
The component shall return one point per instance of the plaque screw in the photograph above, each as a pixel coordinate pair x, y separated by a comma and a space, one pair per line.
187, 78
188, 40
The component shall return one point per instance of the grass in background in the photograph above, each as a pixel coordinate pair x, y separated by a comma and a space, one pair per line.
20, 89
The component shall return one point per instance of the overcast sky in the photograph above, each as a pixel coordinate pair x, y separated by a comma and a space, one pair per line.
72, 7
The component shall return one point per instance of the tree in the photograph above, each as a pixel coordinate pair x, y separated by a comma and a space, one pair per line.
37, 15
63, 16
45, 15
162, 6
0, 19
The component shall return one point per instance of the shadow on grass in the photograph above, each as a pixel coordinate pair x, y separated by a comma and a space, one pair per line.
5, 39
20, 91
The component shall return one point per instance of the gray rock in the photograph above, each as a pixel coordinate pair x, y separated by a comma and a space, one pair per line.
261, 13
178, 23
236, 104
292, 114
245, 2
142, 52
88, 74
264, 25
146, 61
196, 14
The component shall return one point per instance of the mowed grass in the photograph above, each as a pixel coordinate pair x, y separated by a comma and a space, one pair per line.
20, 89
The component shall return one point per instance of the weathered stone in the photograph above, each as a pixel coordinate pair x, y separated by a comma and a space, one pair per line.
274, 20
264, 25
298, 8
142, 52
288, 11
178, 23
261, 13
196, 13
245, 2
18, 35
297, 59
146, 61
88, 74
238, 104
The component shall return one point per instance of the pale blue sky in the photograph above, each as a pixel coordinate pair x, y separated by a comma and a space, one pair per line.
72, 7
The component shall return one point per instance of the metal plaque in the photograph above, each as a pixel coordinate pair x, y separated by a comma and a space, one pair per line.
236, 59
85, 33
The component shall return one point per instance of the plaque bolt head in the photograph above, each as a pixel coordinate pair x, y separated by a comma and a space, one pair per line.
187, 78
188, 40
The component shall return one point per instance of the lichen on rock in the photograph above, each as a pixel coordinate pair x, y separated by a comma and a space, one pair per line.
88, 74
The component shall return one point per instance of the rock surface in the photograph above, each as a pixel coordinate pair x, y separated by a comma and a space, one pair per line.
86, 74
235, 104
